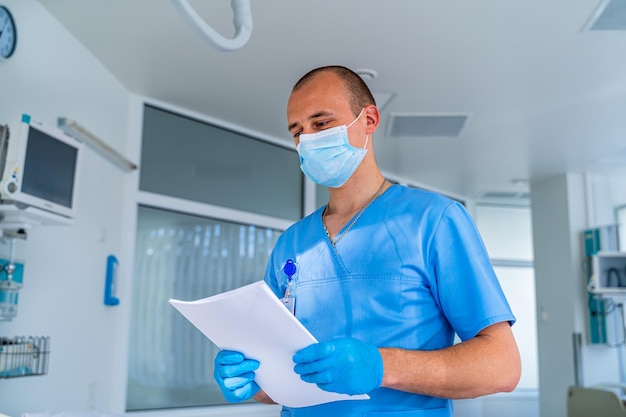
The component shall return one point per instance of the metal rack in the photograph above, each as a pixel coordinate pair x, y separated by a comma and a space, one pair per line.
24, 356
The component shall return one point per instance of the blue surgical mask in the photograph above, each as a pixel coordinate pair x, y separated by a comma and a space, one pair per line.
327, 158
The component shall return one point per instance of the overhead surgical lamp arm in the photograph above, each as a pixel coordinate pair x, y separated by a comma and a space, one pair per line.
242, 19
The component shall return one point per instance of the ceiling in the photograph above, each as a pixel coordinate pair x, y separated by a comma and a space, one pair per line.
543, 94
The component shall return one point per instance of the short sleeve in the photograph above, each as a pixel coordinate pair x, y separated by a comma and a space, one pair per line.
464, 282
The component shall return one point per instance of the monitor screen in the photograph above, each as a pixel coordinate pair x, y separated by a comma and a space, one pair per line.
49, 168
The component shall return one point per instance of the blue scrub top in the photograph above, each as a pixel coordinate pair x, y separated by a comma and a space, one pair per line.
410, 273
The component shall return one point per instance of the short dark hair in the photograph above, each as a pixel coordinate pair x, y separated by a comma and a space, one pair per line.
359, 94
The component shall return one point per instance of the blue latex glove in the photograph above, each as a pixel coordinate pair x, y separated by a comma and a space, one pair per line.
346, 366
235, 375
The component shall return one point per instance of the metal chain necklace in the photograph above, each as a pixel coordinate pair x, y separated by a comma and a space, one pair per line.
354, 220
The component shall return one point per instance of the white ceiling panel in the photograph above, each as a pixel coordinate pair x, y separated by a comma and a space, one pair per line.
545, 94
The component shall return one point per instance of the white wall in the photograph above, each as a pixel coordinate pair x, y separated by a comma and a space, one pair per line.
561, 211
51, 75
618, 188
603, 193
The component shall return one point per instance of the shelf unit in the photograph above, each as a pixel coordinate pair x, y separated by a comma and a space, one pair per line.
596, 242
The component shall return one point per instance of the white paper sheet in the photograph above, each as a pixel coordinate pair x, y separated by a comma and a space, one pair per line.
252, 320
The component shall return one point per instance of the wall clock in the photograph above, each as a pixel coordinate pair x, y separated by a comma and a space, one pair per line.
8, 34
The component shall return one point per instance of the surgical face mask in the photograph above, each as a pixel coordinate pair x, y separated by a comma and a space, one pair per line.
327, 158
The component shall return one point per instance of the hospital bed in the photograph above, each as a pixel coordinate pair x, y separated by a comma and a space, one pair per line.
596, 401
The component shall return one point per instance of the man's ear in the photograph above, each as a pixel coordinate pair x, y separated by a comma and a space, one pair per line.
372, 115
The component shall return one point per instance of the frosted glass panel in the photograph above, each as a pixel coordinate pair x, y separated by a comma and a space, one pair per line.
183, 257
186, 158
506, 231
518, 285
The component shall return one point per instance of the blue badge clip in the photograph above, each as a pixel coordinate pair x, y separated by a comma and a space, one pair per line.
289, 269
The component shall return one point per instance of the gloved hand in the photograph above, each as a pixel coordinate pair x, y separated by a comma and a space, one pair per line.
235, 375
346, 366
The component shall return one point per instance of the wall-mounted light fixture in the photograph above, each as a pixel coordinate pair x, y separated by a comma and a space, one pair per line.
83, 135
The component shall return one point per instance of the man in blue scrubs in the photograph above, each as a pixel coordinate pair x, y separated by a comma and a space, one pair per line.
383, 276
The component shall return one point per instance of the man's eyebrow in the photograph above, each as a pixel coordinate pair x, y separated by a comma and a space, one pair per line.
322, 113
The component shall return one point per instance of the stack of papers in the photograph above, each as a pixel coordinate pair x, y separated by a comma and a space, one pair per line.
252, 320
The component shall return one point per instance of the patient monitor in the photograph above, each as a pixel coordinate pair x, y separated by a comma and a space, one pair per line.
40, 167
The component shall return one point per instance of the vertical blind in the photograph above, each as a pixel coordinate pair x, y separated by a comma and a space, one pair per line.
184, 257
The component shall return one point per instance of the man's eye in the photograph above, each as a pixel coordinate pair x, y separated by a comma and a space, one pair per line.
321, 124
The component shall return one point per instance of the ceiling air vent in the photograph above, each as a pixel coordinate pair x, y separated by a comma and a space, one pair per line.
426, 125
517, 197
499, 194
610, 15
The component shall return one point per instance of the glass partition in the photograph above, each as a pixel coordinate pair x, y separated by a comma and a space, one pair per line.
184, 257
190, 159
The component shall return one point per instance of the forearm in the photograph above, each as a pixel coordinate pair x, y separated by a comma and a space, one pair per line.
262, 397
486, 364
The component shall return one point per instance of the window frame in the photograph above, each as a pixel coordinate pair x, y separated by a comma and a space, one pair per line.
620, 211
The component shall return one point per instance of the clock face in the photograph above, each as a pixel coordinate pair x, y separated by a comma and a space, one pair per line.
8, 36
